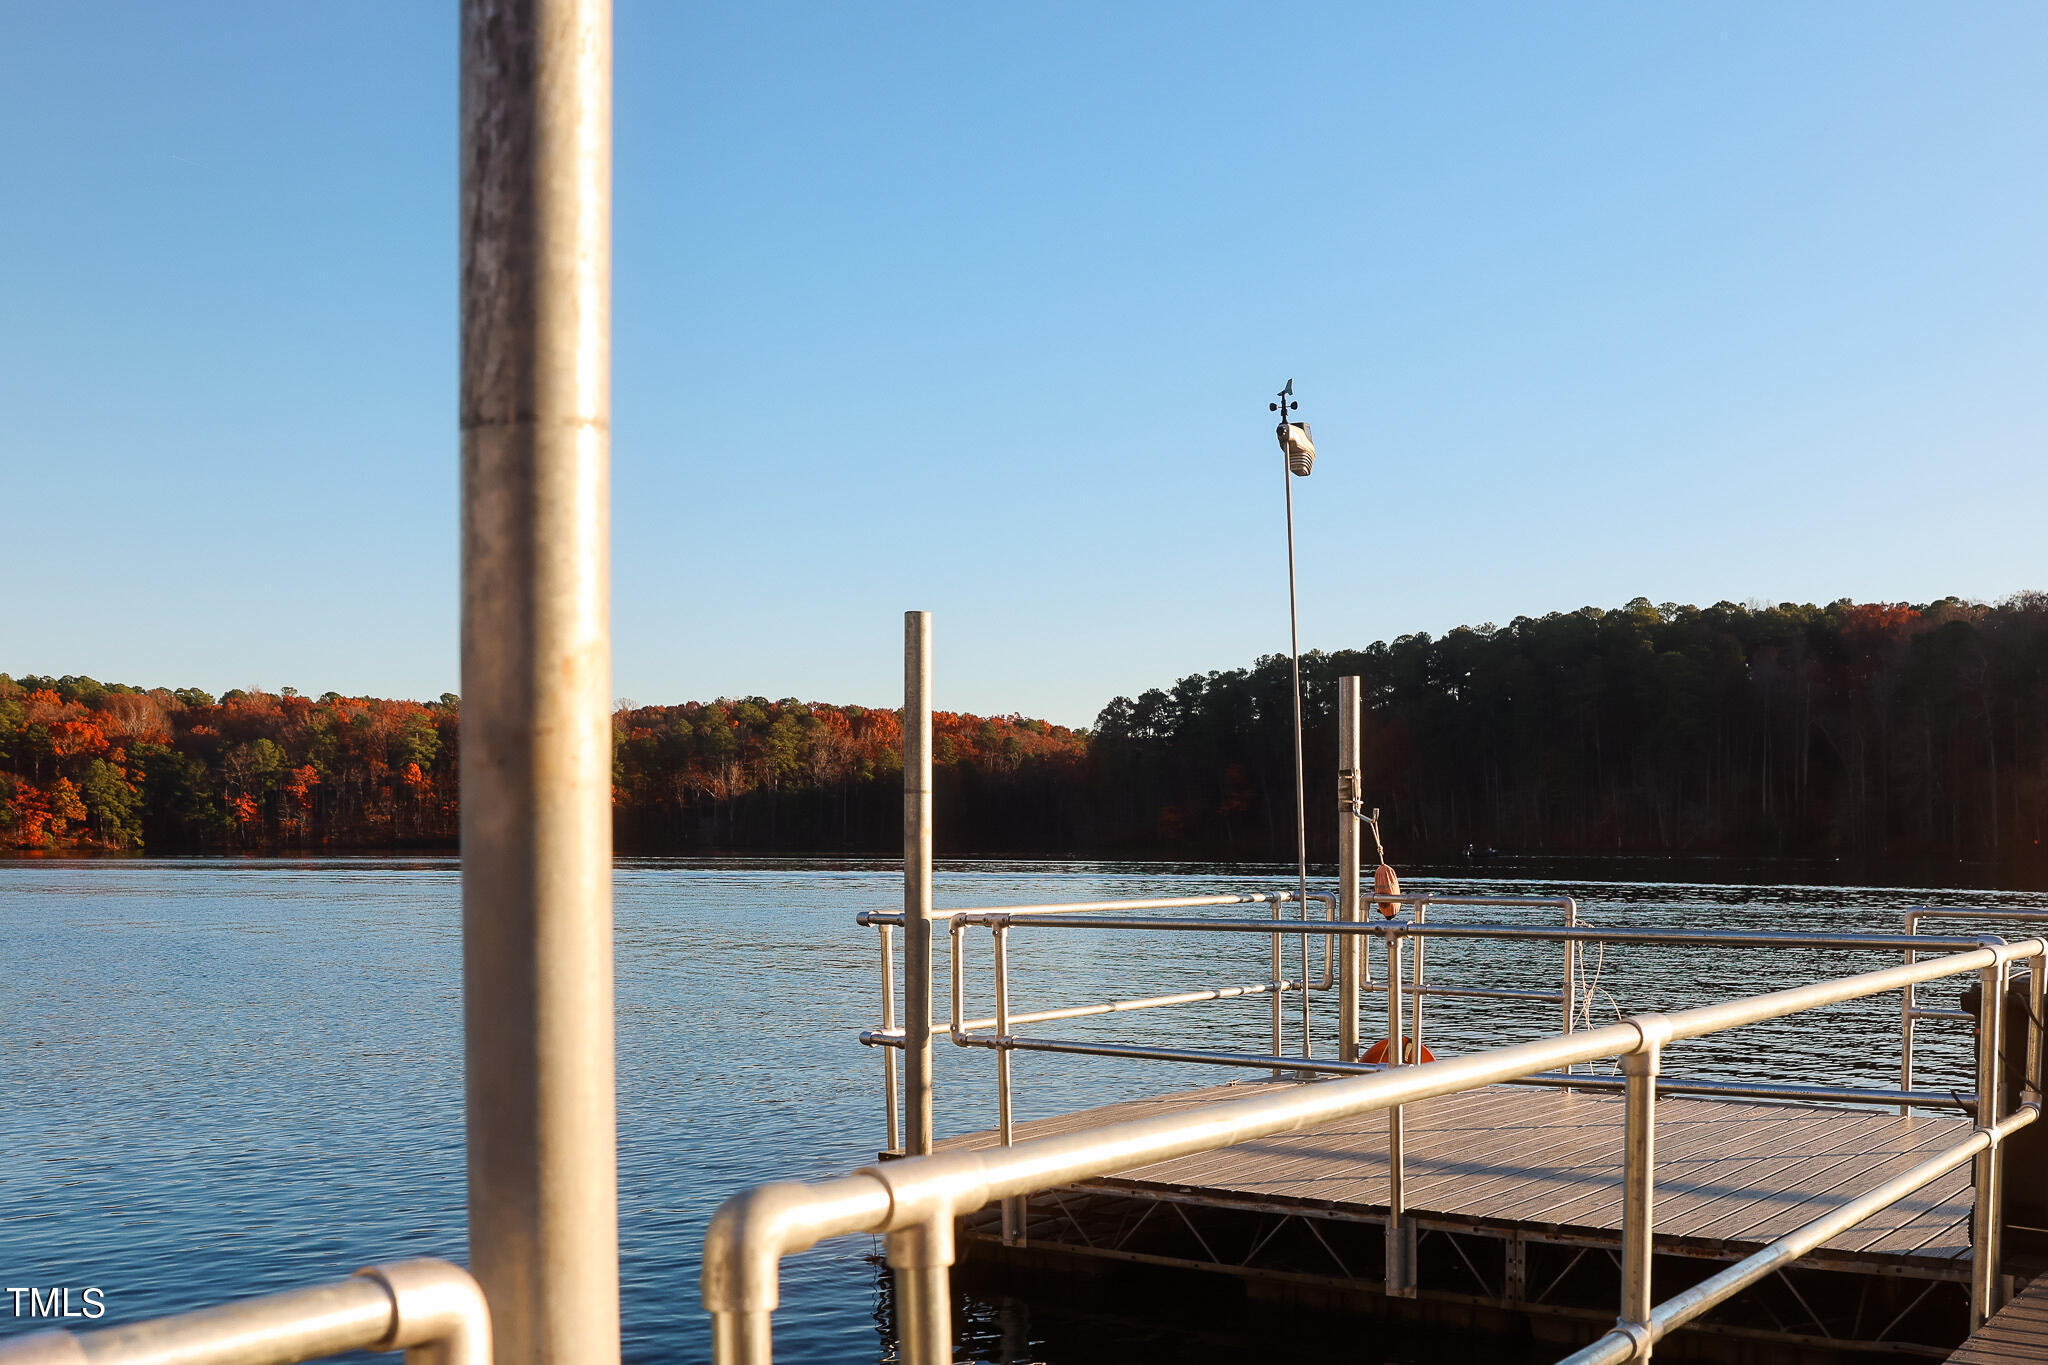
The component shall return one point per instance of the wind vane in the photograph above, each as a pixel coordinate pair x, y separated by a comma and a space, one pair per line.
1295, 442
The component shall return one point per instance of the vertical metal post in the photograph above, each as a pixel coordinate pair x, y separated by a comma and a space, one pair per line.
2037, 989
1987, 1218
889, 1086
1307, 997
1400, 1282
1571, 967
920, 1256
1348, 833
917, 881
1279, 993
1906, 1018
1415, 1010
1013, 1208
1395, 986
536, 675
1639, 1181
1571, 971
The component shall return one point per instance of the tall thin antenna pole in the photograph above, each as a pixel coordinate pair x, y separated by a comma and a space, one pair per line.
1300, 793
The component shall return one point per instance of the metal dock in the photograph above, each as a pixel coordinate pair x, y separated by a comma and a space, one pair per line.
2019, 1332
1512, 1191
1517, 1201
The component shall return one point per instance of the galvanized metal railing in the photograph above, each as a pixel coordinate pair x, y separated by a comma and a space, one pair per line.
914, 1202
891, 1039
1401, 1231
1910, 1009
431, 1310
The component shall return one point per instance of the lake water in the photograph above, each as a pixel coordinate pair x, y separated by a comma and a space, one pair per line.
224, 1077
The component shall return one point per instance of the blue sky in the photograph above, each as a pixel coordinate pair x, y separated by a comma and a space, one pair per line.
978, 310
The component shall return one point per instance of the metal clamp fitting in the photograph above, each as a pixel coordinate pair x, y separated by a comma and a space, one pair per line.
1640, 1338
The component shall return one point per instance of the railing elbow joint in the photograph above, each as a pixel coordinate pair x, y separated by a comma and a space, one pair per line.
752, 1231
434, 1303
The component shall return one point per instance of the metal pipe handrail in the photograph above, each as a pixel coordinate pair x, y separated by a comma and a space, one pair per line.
867, 918
430, 1309
1685, 938
1411, 898
1470, 992
1910, 1011
893, 1037
915, 1201
1754, 1090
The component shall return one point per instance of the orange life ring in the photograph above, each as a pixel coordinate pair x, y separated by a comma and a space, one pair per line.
1378, 1052
1386, 883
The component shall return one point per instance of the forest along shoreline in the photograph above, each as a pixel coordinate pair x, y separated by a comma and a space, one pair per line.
1876, 741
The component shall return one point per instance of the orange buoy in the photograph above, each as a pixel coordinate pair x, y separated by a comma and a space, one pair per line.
1378, 1052
1385, 883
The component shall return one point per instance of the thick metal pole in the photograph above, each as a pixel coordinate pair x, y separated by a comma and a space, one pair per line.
917, 881
1348, 832
536, 674
1639, 1181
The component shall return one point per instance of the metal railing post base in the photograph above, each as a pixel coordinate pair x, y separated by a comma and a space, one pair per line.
1400, 1256
920, 1256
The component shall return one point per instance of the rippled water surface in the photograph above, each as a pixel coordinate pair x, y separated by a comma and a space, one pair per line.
222, 1077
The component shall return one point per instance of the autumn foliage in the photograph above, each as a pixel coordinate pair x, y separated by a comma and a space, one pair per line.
89, 765
86, 765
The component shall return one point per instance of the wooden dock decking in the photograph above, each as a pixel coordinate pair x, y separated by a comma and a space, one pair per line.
2018, 1332
1731, 1175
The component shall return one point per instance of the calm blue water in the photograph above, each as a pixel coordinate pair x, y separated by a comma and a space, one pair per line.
224, 1077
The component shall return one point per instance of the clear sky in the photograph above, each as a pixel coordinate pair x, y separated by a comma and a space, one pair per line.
977, 309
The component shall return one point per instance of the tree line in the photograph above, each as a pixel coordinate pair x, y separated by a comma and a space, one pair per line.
1879, 733
1870, 732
